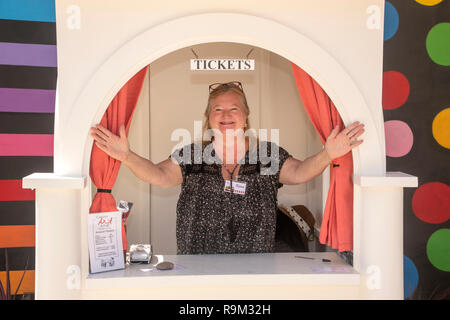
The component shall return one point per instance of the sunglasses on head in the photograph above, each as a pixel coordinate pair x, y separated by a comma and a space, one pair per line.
232, 84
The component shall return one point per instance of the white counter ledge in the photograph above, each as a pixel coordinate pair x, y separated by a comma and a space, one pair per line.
50, 180
232, 269
391, 179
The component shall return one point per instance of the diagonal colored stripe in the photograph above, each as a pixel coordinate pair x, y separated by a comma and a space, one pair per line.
17, 236
23, 54
27, 100
11, 190
26, 145
27, 285
30, 10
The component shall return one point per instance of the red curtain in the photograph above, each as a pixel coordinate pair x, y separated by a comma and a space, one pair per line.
337, 224
103, 168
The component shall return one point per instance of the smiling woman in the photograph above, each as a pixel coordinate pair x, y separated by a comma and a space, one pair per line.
227, 107
227, 202
131, 39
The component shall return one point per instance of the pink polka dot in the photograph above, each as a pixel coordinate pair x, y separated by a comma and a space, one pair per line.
399, 138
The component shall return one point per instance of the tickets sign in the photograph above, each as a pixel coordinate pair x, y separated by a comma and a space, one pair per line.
223, 64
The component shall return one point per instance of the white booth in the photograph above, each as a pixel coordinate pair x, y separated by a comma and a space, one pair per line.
102, 44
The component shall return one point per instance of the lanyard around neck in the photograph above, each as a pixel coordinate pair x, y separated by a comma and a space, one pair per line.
231, 176
231, 226
231, 172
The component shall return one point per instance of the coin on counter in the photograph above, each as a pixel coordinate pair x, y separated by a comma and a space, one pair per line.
165, 265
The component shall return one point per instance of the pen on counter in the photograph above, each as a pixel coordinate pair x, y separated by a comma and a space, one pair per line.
323, 260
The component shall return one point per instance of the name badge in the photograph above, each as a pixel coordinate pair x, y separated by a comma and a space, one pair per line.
238, 187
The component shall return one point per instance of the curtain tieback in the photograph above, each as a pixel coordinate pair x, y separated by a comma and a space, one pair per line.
104, 190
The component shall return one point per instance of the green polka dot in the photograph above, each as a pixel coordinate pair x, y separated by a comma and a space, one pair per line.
438, 249
438, 44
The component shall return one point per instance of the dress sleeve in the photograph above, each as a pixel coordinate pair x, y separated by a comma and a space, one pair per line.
272, 158
186, 156
283, 156
183, 157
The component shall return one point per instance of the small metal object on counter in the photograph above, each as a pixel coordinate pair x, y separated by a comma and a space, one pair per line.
164, 265
140, 253
323, 260
125, 207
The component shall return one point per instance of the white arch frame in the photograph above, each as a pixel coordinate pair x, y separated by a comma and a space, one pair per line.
369, 158
378, 195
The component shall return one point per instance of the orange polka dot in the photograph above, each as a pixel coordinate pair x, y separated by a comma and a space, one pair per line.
429, 2
441, 128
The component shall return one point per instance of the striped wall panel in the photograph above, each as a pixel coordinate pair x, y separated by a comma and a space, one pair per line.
11, 190
27, 285
17, 212
27, 77
26, 144
28, 10
27, 32
28, 54
28, 74
18, 258
27, 100
17, 236
19, 167
21, 123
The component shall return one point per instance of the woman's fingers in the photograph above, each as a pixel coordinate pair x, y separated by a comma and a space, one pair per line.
355, 134
348, 129
102, 134
354, 130
100, 139
356, 143
97, 135
104, 131
345, 141
334, 132
113, 145
101, 146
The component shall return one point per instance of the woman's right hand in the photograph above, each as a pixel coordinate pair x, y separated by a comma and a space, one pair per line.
116, 147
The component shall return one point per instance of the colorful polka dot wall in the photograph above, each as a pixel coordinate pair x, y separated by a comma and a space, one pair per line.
416, 108
410, 277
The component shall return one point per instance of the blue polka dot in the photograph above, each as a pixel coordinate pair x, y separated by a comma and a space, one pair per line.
410, 277
391, 21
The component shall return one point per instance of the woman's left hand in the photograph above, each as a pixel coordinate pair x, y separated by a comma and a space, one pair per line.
339, 143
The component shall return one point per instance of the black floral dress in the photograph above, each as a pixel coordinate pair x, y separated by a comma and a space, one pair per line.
211, 220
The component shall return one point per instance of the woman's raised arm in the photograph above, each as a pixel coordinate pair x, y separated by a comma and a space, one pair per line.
338, 144
164, 174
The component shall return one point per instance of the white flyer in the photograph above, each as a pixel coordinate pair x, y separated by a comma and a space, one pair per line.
105, 241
